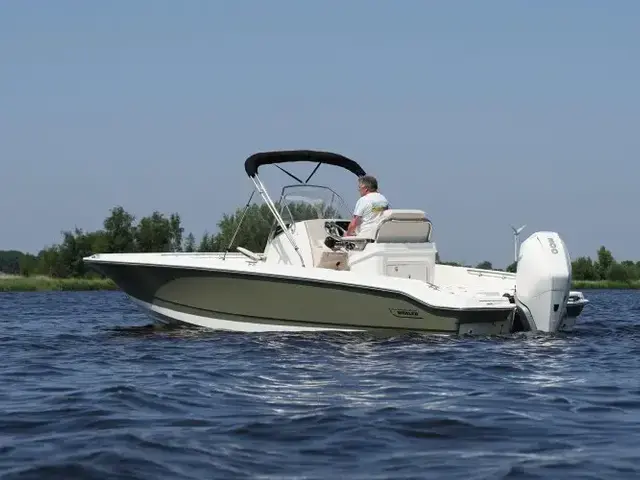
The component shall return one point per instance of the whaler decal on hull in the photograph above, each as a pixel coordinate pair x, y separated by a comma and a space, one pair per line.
405, 313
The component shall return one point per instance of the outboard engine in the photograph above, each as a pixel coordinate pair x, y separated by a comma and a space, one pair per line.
543, 281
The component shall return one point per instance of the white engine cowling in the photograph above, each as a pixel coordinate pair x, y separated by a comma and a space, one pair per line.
543, 281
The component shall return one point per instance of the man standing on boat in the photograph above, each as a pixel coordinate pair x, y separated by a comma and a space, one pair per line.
368, 208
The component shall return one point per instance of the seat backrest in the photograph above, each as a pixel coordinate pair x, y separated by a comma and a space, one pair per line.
403, 226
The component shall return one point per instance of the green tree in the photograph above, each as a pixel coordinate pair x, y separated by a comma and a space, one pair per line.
155, 233
605, 260
190, 243
632, 270
120, 231
70, 254
50, 262
28, 264
583, 269
208, 243
10, 261
176, 232
618, 273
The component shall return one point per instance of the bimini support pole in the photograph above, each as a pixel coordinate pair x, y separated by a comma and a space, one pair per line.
263, 193
235, 234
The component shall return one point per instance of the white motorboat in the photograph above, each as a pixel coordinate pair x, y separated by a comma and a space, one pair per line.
310, 276
576, 304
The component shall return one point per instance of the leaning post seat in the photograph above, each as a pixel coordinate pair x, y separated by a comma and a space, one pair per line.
403, 226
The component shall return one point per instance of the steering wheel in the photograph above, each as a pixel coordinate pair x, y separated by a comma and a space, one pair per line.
333, 229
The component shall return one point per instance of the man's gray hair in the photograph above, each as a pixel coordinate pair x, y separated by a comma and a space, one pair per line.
369, 181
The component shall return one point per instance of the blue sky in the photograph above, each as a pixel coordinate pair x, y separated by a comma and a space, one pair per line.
481, 113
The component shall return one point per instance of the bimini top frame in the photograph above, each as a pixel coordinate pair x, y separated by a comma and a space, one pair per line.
256, 160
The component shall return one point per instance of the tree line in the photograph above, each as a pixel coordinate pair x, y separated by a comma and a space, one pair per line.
158, 232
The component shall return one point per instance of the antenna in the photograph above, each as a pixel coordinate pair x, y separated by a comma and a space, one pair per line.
516, 235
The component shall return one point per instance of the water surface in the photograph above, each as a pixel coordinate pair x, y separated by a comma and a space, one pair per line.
86, 394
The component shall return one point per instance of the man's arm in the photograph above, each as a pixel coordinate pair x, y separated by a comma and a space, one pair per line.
357, 218
355, 221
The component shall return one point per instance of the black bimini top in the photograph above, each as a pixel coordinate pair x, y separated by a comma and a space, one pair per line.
252, 163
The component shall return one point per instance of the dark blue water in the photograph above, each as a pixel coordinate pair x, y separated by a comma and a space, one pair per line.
84, 396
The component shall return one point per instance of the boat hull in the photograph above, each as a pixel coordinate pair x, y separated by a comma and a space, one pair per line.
251, 302
574, 309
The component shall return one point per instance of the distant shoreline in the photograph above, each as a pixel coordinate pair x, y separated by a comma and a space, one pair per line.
15, 283
605, 285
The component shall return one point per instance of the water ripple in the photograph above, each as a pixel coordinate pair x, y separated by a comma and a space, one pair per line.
91, 390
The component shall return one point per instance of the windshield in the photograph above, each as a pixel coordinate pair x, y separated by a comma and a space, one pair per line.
305, 202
